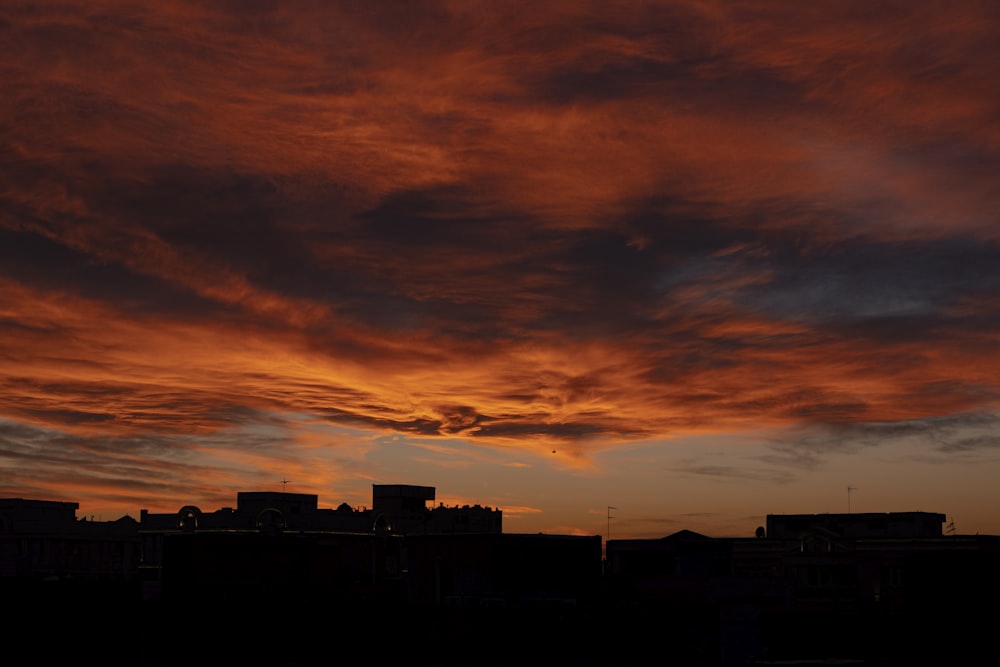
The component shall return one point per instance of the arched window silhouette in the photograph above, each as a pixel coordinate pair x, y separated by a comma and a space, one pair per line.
187, 517
381, 524
270, 520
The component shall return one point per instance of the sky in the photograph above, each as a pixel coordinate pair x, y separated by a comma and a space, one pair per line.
616, 268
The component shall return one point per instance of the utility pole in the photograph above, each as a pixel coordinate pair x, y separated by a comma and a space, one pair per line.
849, 489
609, 519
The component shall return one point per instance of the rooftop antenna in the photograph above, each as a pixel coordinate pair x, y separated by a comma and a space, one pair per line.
609, 519
283, 482
849, 489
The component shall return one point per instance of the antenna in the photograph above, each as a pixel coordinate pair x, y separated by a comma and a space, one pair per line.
849, 489
283, 482
609, 519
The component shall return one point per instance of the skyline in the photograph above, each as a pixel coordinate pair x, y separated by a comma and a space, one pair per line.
697, 261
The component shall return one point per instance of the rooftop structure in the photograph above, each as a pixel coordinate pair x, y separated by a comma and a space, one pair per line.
44, 539
857, 526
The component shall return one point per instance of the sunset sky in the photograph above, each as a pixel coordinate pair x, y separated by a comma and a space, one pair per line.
699, 261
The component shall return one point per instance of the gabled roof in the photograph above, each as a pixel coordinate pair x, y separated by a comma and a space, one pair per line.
686, 535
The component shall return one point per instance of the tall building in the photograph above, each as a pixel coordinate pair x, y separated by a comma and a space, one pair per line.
44, 539
885, 588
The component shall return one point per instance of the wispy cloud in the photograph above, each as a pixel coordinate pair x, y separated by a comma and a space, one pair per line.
744, 472
957, 436
518, 511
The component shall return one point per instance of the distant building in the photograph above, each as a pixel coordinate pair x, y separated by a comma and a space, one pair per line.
69, 585
878, 587
43, 539
402, 508
405, 576
397, 509
868, 525
402, 578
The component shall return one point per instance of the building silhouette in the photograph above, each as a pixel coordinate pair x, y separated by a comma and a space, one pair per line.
397, 509
443, 582
277, 579
44, 540
65, 582
873, 588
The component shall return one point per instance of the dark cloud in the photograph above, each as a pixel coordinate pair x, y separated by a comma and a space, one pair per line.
732, 472
858, 282
47, 264
955, 435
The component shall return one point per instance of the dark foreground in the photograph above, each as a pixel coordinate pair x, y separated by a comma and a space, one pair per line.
75, 623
